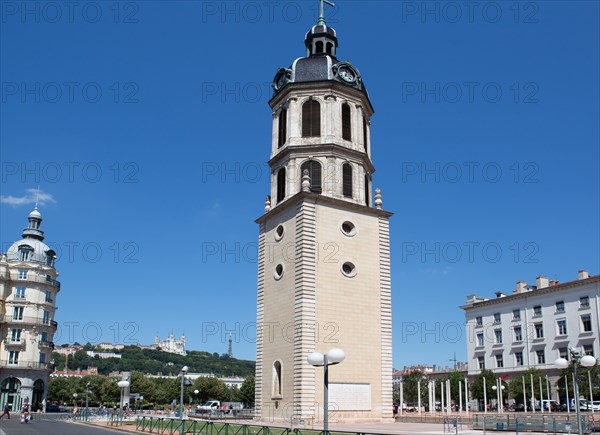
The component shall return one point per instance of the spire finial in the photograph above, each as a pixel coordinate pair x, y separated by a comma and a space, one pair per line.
321, 21
37, 197
268, 204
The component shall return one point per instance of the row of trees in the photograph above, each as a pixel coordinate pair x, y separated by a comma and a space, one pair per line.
513, 386
156, 391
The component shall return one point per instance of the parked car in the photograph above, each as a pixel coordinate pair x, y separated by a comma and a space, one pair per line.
211, 405
52, 407
586, 405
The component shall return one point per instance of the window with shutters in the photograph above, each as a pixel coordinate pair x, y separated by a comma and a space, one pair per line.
282, 128
311, 119
347, 180
314, 172
280, 185
346, 122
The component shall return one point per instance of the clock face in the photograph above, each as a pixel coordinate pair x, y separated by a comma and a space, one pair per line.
347, 74
280, 79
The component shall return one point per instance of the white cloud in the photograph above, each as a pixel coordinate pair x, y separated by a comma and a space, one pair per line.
30, 197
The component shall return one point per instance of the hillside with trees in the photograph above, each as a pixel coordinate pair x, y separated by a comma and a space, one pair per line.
134, 358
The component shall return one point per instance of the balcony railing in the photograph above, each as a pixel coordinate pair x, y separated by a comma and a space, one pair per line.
46, 343
27, 320
53, 282
5, 364
34, 277
12, 344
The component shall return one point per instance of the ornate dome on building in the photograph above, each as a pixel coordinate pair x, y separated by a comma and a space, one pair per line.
321, 62
28, 292
31, 247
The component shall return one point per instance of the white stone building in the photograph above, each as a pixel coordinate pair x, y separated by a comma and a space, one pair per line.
28, 291
534, 325
324, 259
171, 344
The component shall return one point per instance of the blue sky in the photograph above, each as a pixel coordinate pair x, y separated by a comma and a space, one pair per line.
147, 128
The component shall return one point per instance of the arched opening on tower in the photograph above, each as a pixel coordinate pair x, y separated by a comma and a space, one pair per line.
311, 119
329, 48
346, 122
318, 47
282, 128
277, 380
365, 132
280, 185
347, 180
314, 172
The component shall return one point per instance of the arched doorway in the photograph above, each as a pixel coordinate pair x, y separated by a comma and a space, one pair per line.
38, 395
10, 394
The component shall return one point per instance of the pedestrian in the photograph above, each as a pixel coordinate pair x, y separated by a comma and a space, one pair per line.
25, 417
6, 411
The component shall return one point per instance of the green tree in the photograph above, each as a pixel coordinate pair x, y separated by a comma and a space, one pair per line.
457, 382
410, 382
59, 390
110, 393
210, 389
143, 386
95, 389
515, 386
477, 384
583, 379
247, 391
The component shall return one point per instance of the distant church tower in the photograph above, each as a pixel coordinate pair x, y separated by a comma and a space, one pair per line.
324, 250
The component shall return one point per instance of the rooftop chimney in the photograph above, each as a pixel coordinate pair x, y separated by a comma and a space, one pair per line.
583, 274
521, 287
541, 282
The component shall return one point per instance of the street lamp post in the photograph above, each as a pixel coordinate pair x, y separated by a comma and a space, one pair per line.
316, 359
499, 389
196, 396
74, 402
87, 390
586, 361
122, 385
184, 371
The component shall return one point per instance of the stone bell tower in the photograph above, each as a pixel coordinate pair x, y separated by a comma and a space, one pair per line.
324, 250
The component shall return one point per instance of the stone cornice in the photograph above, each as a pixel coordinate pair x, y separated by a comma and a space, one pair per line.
533, 293
328, 150
321, 199
291, 88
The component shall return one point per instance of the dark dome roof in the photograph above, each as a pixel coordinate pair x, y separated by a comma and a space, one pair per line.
320, 63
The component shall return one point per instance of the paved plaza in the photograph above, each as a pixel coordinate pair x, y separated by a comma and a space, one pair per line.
54, 427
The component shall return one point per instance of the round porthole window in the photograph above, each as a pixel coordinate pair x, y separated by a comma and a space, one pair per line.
278, 272
348, 228
349, 269
279, 231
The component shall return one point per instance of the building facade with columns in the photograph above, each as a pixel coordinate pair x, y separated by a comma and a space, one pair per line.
533, 326
324, 249
28, 291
